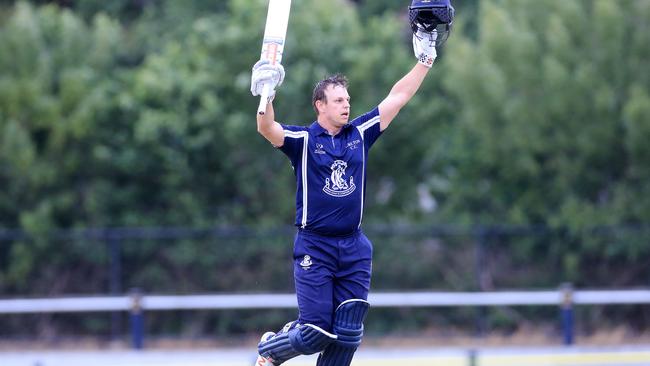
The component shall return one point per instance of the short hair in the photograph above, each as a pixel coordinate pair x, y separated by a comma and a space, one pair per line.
319, 90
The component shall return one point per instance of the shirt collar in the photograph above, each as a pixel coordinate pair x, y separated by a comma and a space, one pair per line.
317, 129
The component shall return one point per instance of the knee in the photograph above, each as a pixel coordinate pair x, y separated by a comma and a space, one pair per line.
348, 322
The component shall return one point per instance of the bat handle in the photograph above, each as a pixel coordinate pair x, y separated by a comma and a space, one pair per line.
264, 99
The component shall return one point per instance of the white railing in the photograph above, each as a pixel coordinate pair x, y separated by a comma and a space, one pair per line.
136, 303
277, 301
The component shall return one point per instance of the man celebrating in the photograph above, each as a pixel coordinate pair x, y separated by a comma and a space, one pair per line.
332, 256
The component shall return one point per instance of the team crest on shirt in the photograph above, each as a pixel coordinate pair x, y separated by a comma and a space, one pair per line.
336, 185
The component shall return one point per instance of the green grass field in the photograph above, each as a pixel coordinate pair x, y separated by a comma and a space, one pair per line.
524, 356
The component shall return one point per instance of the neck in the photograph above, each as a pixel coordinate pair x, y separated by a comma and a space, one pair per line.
331, 129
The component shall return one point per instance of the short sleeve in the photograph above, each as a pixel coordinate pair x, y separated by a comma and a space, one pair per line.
295, 140
368, 126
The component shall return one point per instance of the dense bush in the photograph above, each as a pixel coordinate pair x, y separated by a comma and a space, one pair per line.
128, 114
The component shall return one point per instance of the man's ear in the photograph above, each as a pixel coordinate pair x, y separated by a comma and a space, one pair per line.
320, 105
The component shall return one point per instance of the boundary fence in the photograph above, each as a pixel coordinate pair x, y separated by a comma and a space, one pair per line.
136, 303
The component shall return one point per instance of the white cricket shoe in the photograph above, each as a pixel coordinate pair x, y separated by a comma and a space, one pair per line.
264, 361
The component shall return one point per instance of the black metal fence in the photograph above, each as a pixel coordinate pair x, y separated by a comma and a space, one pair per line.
181, 260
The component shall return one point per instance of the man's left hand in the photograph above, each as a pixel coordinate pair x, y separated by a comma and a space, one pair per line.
424, 47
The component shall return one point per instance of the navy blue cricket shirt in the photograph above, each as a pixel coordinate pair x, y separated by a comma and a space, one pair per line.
331, 173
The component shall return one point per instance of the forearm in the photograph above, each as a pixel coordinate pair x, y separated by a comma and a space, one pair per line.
269, 128
408, 85
401, 93
265, 121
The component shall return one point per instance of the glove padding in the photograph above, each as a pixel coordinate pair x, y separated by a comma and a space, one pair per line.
266, 74
424, 47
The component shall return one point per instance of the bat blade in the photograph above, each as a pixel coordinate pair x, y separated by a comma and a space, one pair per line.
275, 32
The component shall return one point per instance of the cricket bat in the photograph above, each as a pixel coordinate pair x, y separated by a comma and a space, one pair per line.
275, 33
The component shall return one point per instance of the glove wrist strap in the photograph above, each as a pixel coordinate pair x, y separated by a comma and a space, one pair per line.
426, 60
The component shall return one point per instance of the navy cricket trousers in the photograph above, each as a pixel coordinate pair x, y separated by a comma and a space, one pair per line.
327, 271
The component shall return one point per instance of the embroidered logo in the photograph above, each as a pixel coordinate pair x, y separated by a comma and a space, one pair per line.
353, 144
306, 262
336, 185
319, 149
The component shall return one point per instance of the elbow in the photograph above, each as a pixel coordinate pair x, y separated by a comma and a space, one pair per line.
402, 98
261, 129
260, 124
264, 131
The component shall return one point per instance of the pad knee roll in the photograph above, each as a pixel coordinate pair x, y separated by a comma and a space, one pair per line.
348, 322
348, 326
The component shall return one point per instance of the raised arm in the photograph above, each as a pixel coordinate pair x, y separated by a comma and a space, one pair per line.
400, 94
406, 87
264, 74
269, 128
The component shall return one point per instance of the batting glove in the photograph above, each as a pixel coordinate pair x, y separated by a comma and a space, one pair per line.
266, 74
424, 47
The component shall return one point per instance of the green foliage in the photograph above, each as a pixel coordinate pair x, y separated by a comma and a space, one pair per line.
130, 114
549, 99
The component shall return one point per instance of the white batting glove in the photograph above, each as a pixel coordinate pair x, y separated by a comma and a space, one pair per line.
266, 74
424, 47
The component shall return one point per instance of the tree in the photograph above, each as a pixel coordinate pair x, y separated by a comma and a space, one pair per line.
552, 102
56, 77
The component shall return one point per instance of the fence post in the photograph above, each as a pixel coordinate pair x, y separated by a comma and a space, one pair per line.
471, 357
137, 320
567, 313
482, 236
115, 281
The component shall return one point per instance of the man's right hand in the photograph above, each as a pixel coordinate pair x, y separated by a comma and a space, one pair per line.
266, 74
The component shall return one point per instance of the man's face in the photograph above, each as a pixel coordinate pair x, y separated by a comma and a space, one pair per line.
336, 108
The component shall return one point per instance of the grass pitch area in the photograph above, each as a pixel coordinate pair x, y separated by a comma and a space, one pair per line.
556, 356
